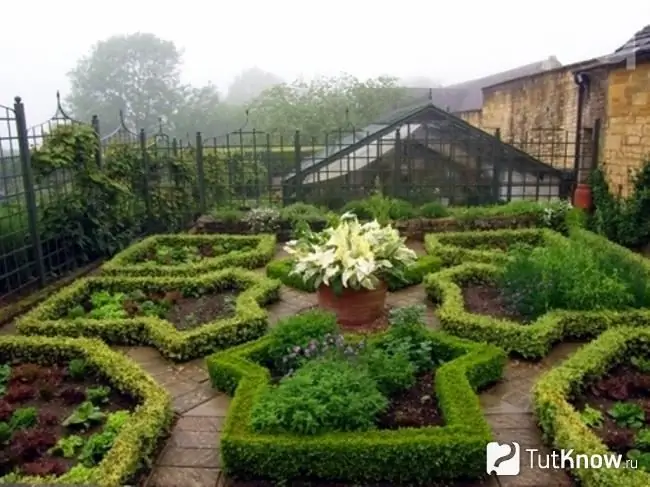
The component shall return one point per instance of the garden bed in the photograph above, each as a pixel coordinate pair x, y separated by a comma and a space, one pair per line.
570, 289
600, 376
189, 255
183, 317
616, 407
55, 417
75, 412
354, 436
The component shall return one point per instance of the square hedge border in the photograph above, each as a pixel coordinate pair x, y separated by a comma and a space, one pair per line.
414, 274
417, 455
533, 340
561, 423
126, 262
455, 248
138, 438
249, 322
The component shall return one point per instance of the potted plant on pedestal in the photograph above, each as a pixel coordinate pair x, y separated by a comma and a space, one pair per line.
348, 265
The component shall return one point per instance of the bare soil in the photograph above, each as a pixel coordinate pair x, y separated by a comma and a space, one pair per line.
415, 407
188, 313
489, 300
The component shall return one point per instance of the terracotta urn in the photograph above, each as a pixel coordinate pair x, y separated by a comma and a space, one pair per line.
354, 308
582, 197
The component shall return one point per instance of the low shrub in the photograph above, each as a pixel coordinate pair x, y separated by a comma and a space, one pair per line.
382, 208
487, 246
244, 251
134, 444
530, 340
302, 212
563, 426
434, 209
565, 275
298, 331
409, 455
324, 395
624, 220
249, 321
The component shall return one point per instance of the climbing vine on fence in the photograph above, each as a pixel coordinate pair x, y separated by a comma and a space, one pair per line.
88, 211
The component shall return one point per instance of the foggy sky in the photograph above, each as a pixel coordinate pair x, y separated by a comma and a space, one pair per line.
453, 41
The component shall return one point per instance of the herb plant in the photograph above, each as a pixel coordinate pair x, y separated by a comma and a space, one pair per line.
628, 414
84, 416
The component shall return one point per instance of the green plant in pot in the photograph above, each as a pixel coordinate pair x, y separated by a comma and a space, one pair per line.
348, 265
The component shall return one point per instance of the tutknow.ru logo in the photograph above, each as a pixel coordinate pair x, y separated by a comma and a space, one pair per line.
504, 459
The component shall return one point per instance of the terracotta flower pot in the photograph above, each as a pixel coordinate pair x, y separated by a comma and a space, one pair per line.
354, 308
582, 197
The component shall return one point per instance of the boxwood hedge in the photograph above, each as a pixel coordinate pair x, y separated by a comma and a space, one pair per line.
484, 246
249, 322
136, 442
561, 423
130, 261
281, 269
408, 455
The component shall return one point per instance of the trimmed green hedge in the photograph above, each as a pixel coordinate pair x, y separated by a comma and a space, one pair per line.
561, 423
528, 340
458, 247
409, 455
136, 442
414, 274
249, 322
129, 261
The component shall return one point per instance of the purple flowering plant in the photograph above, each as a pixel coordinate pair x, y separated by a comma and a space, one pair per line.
329, 345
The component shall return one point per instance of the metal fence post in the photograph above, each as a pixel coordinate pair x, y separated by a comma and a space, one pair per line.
98, 149
200, 173
145, 179
297, 154
28, 184
397, 166
496, 168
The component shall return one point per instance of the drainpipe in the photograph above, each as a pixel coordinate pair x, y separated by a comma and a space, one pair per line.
582, 194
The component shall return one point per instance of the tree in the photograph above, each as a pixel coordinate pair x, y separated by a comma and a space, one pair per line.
324, 105
249, 84
137, 73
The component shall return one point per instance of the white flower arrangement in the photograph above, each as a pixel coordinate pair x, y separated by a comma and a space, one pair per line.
351, 255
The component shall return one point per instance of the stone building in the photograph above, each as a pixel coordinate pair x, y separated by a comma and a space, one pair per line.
573, 116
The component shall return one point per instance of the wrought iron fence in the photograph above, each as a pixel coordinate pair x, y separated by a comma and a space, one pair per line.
171, 181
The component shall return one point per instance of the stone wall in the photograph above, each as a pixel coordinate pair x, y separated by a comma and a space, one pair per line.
536, 114
626, 134
473, 117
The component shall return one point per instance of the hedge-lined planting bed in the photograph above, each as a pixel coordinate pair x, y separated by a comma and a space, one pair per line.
249, 320
190, 255
563, 426
407, 455
136, 440
531, 340
486, 246
281, 269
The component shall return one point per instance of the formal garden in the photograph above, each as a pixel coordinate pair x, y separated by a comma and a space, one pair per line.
364, 346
